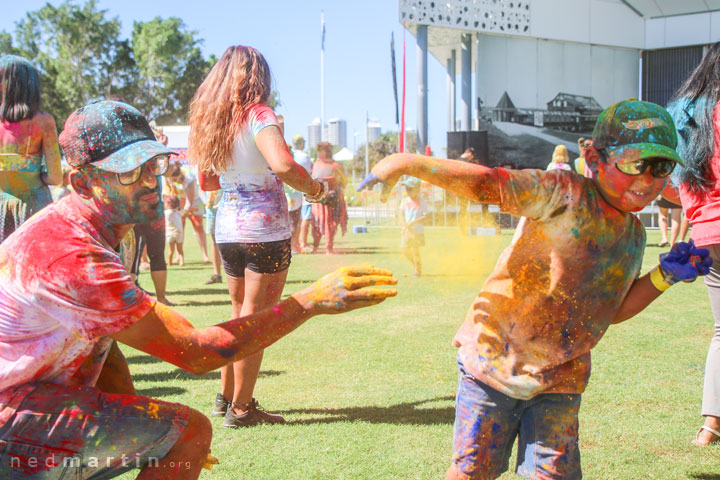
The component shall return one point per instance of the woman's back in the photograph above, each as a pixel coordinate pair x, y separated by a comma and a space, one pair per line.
22, 152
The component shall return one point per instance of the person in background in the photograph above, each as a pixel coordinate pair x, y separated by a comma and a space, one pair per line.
150, 243
59, 191
183, 183
579, 163
212, 200
669, 211
560, 159
413, 212
236, 141
695, 108
29, 153
174, 229
304, 160
332, 212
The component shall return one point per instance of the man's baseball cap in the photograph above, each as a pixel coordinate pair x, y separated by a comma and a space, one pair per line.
633, 130
111, 136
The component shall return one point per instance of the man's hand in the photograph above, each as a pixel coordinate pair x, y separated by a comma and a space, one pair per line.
386, 172
684, 262
347, 289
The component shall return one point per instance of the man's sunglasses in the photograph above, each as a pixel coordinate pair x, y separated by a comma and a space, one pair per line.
158, 166
659, 168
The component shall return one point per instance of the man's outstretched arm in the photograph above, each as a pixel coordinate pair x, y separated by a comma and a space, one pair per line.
166, 334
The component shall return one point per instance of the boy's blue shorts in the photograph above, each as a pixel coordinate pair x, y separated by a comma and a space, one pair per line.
487, 422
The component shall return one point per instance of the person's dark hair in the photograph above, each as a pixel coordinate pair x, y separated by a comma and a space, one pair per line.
693, 106
19, 89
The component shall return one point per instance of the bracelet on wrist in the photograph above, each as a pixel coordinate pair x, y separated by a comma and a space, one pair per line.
657, 278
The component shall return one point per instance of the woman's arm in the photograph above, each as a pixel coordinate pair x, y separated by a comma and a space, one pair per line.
272, 145
209, 181
51, 151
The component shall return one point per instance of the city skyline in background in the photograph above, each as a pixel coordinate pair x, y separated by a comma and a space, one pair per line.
358, 78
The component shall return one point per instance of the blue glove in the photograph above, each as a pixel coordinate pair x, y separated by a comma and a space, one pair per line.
684, 262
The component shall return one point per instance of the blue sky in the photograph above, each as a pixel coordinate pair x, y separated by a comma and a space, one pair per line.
287, 32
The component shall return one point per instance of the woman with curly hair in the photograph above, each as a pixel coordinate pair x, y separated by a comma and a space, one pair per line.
29, 153
236, 142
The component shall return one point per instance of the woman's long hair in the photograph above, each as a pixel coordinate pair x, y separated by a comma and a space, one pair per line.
693, 110
19, 89
237, 82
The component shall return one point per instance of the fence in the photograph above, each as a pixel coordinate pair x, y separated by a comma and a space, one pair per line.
447, 210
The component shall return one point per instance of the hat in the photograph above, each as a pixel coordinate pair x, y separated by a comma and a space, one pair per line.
111, 136
297, 139
411, 182
634, 130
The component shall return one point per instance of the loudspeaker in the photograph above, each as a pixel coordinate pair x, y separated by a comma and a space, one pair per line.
457, 142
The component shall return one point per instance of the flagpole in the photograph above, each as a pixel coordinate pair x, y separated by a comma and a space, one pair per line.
322, 76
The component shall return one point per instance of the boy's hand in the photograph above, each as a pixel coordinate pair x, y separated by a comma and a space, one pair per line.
386, 172
347, 289
684, 262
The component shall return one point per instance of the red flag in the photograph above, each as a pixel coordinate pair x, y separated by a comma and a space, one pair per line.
401, 147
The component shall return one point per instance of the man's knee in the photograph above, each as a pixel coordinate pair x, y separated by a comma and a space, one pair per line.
198, 430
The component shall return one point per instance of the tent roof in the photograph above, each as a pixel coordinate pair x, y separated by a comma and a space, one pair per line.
343, 155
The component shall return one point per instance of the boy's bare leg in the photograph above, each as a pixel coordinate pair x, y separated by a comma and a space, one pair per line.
171, 253
187, 457
416, 261
181, 254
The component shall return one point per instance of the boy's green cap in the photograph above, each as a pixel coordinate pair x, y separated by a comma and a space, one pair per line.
634, 130
411, 182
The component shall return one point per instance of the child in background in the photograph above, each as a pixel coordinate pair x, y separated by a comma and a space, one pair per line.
413, 212
571, 270
174, 229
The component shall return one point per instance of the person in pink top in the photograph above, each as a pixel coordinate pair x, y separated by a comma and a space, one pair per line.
68, 408
696, 111
29, 154
571, 270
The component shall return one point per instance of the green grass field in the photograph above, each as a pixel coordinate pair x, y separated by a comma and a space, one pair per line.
369, 394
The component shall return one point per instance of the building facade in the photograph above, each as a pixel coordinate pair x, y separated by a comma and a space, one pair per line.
337, 132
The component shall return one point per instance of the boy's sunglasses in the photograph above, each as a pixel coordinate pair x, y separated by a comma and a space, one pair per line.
659, 168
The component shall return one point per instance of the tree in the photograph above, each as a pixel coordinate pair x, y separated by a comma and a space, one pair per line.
74, 48
385, 145
81, 58
170, 67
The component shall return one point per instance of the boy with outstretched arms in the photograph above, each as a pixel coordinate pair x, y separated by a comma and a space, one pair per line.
571, 270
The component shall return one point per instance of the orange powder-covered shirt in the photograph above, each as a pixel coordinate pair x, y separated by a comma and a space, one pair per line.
555, 289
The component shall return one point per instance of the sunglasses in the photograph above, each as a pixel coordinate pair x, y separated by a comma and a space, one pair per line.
659, 168
157, 166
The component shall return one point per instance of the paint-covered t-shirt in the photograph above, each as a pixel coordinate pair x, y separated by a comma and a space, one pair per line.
63, 290
411, 211
253, 207
555, 289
